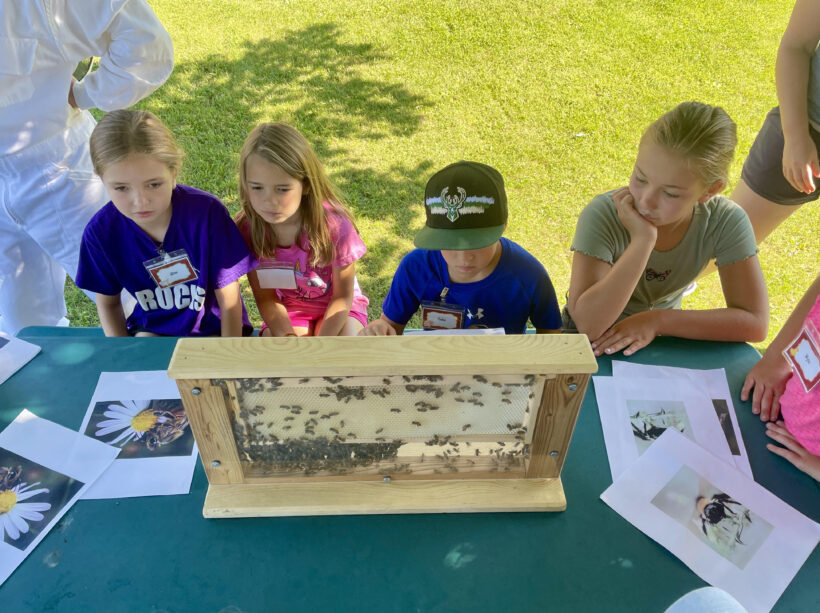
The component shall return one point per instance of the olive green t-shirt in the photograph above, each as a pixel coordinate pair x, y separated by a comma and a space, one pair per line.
719, 230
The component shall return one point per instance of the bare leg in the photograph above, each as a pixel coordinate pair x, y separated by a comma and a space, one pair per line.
351, 328
765, 215
144, 333
300, 331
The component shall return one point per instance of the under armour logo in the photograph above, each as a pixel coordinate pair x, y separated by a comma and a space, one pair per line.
479, 314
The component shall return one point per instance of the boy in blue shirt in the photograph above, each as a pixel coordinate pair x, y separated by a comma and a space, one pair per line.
464, 274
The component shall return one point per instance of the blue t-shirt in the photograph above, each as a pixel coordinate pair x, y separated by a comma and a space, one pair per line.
114, 249
517, 290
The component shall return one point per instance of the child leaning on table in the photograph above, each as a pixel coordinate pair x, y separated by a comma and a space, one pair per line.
637, 248
173, 247
464, 274
778, 390
295, 221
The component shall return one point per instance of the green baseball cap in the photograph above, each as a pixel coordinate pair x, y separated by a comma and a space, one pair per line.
466, 208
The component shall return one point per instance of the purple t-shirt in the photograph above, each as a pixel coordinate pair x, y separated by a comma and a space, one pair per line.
114, 249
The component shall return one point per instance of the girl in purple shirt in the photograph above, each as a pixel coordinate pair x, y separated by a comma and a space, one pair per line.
295, 222
173, 247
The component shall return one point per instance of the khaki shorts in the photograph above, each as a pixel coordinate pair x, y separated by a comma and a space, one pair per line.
763, 168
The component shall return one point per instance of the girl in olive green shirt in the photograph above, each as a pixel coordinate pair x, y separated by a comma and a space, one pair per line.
637, 248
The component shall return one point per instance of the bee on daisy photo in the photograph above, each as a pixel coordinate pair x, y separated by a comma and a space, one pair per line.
30, 496
142, 428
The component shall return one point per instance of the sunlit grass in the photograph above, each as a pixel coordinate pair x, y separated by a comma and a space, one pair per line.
555, 94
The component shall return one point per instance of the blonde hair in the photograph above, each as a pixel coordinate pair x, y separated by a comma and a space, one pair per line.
287, 148
704, 135
128, 132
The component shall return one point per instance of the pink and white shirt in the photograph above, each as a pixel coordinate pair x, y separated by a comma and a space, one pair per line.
801, 409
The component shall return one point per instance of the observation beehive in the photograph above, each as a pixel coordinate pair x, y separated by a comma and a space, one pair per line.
408, 424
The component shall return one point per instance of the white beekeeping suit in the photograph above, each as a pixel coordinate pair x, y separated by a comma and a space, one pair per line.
48, 190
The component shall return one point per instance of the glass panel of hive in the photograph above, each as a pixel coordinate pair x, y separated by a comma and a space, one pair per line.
392, 425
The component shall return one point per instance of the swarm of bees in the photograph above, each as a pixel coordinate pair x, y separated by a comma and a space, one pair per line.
280, 441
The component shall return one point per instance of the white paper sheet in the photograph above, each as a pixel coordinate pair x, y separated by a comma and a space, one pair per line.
14, 354
715, 385
44, 469
635, 411
753, 551
140, 413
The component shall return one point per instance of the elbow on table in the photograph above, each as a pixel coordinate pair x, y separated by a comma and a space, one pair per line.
588, 325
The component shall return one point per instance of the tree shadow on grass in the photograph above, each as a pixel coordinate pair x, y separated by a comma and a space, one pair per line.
314, 80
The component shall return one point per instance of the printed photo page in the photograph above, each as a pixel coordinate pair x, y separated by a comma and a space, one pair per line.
729, 530
635, 412
140, 414
714, 383
44, 469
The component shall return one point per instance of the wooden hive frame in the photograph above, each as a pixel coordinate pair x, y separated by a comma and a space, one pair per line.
218, 377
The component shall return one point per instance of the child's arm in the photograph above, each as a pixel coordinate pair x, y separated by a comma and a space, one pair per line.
769, 376
112, 317
230, 308
792, 450
745, 317
599, 292
273, 312
800, 162
382, 327
338, 309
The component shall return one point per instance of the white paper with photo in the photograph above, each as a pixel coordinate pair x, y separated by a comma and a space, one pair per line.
45, 469
635, 411
716, 386
729, 530
140, 414
14, 354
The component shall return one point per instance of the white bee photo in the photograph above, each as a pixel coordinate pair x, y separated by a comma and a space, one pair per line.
635, 412
714, 384
141, 415
730, 531
44, 470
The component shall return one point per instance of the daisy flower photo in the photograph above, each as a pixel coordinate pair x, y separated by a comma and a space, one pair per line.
30, 496
16, 514
142, 428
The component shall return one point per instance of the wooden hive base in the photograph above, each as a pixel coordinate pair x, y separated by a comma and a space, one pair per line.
378, 497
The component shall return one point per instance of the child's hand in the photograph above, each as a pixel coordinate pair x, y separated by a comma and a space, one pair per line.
768, 378
793, 451
638, 227
800, 163
633, 333
378, 327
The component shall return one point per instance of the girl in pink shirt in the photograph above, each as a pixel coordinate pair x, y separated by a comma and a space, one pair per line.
295, 222
796, 395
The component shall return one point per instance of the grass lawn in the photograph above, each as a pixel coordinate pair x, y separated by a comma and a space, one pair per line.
553, 93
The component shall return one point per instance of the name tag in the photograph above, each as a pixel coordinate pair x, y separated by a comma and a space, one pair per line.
278, 275
441, 316
804, 356
171, 269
